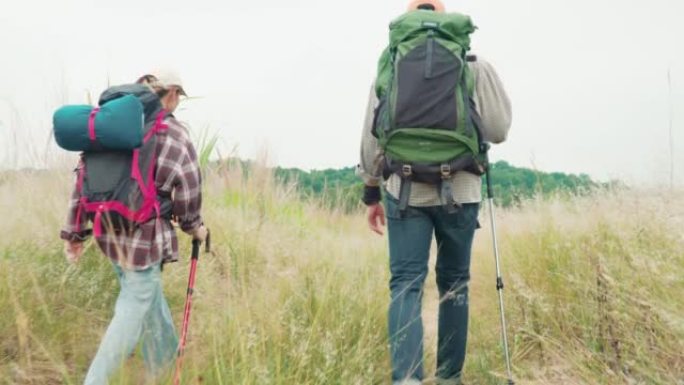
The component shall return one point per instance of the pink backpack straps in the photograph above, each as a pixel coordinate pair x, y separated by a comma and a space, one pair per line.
91, 124
97, 223
150, 205
159, 126
149, 191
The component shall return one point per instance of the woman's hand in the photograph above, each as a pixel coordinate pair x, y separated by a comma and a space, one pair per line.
73, 251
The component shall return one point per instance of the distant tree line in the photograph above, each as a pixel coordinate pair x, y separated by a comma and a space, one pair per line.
336, 188
342, 189
512, 185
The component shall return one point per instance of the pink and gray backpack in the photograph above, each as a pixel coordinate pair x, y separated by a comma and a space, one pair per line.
118, 144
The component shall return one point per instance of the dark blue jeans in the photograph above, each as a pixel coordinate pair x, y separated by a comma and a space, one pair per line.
410, 237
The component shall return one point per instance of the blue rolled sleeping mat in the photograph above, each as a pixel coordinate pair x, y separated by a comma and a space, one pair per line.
115, 125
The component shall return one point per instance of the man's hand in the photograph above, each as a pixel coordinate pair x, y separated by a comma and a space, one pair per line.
376, 218
199, 234
73, 251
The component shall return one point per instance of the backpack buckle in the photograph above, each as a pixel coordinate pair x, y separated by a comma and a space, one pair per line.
407, 170
445, 170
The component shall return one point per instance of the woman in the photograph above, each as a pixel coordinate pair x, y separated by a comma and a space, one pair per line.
138, 252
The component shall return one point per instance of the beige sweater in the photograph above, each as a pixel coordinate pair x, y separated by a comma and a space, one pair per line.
495, 110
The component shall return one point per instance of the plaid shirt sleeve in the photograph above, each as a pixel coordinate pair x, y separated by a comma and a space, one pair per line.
179, 173
75, 227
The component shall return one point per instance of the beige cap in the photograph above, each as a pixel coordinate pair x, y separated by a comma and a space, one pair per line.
166, 78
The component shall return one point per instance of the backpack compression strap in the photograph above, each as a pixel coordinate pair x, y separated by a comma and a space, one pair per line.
91, 124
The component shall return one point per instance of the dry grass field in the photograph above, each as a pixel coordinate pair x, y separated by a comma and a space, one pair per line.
296, 293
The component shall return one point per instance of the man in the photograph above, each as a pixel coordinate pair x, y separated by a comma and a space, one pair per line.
139, 251
416, 210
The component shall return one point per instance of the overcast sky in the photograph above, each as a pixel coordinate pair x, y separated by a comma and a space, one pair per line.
588, 79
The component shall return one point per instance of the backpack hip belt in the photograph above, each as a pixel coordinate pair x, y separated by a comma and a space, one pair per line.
440, 175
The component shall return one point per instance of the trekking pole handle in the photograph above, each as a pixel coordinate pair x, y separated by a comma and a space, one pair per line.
484, 149
196, 243
207, 242
490, 191
195, 248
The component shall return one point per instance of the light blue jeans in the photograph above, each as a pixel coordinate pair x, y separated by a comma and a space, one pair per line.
141, 312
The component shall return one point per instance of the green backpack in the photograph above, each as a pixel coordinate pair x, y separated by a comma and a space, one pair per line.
426, 122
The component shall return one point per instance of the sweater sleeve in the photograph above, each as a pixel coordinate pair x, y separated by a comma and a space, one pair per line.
370, 166
492, 102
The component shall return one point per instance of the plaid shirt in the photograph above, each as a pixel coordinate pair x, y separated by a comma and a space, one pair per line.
177, 175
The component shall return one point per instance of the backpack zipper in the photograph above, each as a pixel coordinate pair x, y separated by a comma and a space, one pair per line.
430, 53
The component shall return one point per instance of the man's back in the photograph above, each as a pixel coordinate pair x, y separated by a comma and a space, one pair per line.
494, 108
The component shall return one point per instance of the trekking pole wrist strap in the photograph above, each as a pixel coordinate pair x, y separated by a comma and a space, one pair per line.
371, 195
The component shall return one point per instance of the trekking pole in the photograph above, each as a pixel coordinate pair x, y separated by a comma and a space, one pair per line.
499, 279
188, 304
